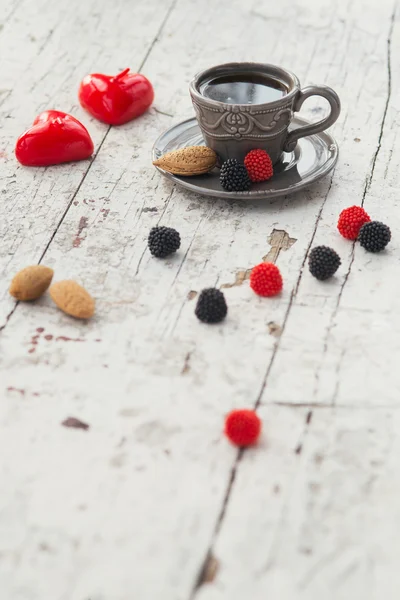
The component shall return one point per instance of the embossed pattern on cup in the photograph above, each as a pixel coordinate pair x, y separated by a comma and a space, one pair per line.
232, 130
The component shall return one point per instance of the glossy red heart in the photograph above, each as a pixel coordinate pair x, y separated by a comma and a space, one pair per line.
55, 137
116, 100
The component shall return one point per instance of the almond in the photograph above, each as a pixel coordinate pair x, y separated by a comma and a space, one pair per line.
30, 283
73, 299
193, 160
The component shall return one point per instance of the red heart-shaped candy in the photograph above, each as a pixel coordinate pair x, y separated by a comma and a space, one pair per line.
116, 100
55, 137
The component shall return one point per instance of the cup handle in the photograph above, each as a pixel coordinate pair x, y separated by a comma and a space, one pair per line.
313, 90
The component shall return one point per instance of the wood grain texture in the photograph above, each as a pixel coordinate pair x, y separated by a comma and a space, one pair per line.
151, 502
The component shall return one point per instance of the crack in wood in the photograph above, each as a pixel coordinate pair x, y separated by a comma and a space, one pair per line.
186, 364
8, 316
299, 448
158, 34
219, 522
161, 112
209, 571
46, 41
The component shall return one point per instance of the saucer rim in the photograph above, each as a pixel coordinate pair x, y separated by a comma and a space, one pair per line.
328, 166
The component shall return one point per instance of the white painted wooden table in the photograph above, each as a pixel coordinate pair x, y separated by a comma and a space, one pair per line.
152, 503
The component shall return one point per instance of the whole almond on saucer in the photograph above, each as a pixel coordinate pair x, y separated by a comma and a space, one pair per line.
31, 282
193, 160
73, 299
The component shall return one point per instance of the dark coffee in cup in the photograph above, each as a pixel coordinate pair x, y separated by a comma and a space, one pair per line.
243, 106
252, 88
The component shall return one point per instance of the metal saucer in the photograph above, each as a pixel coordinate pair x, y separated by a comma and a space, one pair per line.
313, 157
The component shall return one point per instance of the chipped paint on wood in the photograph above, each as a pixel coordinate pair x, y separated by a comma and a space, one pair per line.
278, 240
75, 423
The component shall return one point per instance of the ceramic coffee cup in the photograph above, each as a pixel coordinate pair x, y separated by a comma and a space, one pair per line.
234, 128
